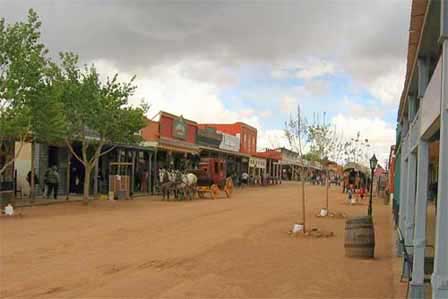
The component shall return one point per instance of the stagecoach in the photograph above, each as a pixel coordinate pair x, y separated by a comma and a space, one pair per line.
212, 177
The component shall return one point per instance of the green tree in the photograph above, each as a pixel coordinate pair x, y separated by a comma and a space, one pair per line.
324, 142
25, 81
95, 113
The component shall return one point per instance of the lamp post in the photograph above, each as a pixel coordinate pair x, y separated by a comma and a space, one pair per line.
373, 162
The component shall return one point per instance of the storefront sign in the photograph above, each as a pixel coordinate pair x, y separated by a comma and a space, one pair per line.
180, 128
230, 143
257, 163
209, 137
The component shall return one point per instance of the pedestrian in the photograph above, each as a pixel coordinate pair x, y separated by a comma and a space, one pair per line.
362, 191
52, 181
244, 179
350, 194
28, 179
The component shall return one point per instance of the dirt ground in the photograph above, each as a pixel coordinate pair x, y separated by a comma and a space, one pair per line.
227, 248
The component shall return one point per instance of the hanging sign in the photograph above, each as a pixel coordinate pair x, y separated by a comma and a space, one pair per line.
180, 128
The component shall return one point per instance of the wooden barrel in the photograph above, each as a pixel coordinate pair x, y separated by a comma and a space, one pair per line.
359, 237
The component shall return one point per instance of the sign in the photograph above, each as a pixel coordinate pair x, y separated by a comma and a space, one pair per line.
209, 137
257, 163
230, 143
180, 128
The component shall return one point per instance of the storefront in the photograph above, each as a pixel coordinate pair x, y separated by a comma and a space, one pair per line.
257, 170
227, 149
72, 172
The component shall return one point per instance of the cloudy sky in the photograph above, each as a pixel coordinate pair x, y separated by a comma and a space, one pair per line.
253, 60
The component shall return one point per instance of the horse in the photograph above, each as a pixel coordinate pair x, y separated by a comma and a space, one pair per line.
166, 183
190, 181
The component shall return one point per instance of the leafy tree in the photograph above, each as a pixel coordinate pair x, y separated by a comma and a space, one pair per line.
355, 149
311, 156
95, 113
25, 78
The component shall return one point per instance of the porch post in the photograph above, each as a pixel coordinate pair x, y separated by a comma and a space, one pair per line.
440, 275
417, 288
403, 189
410, 206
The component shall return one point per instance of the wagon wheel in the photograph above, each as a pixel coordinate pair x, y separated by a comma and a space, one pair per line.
228, 189
214, 191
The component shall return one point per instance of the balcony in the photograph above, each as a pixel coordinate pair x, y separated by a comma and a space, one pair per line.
430, 107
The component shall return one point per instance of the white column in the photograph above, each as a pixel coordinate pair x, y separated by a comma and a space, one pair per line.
440, 276
403, 190
410, 203
417, 288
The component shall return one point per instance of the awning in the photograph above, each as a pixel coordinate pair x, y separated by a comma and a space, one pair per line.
201, 147
177, 149
177, 146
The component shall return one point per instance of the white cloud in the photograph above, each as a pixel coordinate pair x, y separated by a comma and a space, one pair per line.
265, 113
381, 135
314, 68
271, 139
288, 104
317, 87
387, 88
171, 89
362, 110
305, 69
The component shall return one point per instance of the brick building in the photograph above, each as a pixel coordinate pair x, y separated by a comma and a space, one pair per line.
247, 134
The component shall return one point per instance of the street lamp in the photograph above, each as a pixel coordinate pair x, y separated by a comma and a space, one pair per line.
373, 163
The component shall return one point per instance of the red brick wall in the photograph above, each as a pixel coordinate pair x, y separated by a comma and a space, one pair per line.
151, 131
231, 129
248, 140
166, 126
166, 129
191, 133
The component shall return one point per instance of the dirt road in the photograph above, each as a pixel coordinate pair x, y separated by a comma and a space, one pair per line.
236, 248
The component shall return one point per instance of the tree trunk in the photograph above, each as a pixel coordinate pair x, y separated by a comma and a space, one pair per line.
303, 203
88, 171
33, 173
328, 187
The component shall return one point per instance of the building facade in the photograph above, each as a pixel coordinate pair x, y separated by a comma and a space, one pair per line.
422, 128
246, 133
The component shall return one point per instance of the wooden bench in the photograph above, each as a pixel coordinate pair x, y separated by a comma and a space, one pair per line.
408, 261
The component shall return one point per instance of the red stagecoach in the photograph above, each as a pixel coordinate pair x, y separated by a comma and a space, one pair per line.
212, 177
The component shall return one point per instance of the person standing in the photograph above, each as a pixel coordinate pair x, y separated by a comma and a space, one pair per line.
52, 181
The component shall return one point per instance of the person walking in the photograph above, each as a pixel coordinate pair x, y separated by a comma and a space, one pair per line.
36, 180
52, 181
244, 179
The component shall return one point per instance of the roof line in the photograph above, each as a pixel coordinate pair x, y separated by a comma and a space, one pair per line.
414, 63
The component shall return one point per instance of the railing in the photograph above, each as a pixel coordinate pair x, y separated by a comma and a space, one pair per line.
414, 131
404, 146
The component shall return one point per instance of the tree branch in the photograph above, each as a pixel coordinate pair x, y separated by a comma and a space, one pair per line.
15, 155
72, 151
108, 151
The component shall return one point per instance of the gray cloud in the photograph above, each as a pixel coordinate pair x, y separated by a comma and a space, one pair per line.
368, 38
